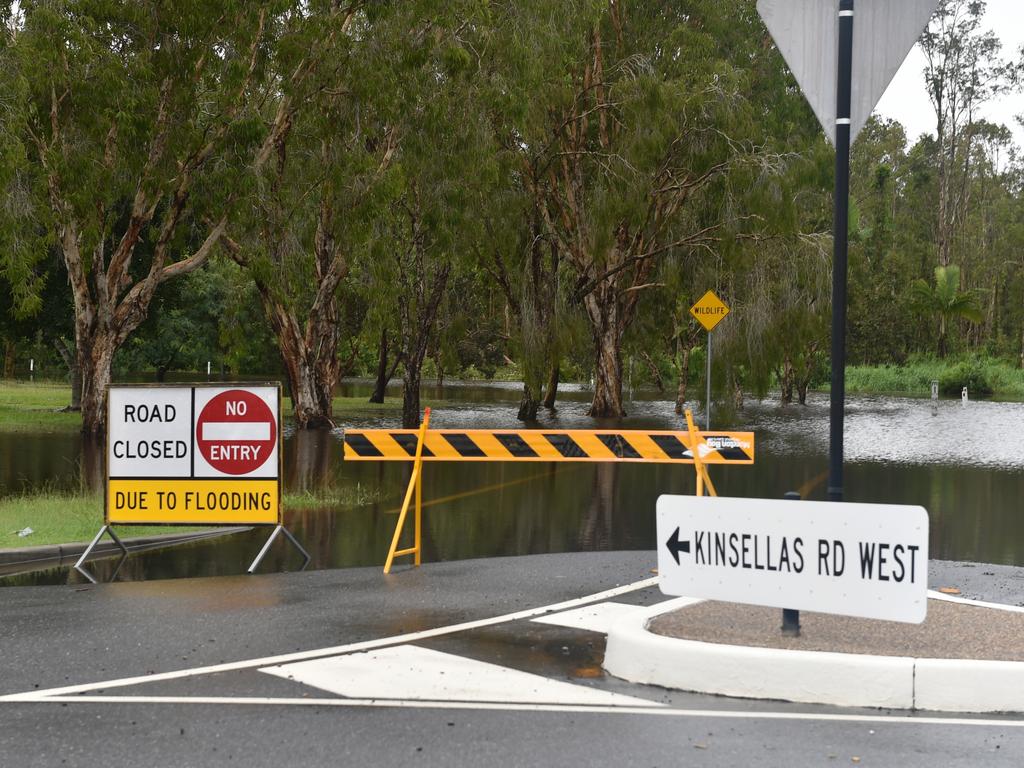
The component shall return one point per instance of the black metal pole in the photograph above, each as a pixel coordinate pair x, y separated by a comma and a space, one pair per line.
840, 224
790, 616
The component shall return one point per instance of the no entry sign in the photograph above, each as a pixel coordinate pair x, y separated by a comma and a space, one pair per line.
205, 454
236, 432
868, 560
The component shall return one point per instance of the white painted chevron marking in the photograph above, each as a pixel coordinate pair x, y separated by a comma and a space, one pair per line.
407, 672
595, 618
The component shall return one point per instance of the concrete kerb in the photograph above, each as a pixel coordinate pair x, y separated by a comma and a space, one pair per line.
814, 677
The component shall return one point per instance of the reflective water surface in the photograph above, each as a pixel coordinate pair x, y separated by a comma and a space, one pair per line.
964, 464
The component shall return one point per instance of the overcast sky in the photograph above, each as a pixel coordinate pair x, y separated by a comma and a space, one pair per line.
907, 101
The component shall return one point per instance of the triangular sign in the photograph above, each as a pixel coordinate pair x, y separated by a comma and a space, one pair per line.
807, 34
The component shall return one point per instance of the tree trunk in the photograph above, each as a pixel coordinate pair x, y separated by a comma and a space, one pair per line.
9, 355
439, 366
607, 335
95, 360
655, 373
801, 390
529, 405
411, 395
310, 362
786, 380
942, 337
552, 390
683, 363
382, 369
67, 354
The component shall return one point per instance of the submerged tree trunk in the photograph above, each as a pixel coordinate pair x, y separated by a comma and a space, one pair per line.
529, 405
552, 390
786, 380
384, 374
607, 336
411, 396
683, 362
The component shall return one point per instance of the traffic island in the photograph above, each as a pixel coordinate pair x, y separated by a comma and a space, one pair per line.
965, 657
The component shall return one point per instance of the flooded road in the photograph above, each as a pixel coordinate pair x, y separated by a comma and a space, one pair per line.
964, 464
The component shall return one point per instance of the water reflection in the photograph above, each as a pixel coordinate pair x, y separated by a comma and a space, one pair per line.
965, 465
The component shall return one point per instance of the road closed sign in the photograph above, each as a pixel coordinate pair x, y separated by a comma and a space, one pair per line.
197, 454
866, 560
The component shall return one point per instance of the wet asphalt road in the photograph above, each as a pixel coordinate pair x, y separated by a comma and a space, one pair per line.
61, 636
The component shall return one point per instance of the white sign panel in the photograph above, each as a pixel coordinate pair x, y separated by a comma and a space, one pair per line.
807, 34
867, 560
150, 432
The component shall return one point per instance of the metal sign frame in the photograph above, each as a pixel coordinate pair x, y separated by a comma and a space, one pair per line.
279, 526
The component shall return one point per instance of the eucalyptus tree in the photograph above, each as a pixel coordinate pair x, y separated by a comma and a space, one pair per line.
130, 116
327, 145
637, 135
444, 157
964, 70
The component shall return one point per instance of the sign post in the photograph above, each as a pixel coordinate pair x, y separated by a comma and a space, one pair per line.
709, 312
843, 76
867, 560
193, 455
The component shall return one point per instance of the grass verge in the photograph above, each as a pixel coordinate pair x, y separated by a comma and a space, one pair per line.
1002, 379
63, 518
36, 407
57, 518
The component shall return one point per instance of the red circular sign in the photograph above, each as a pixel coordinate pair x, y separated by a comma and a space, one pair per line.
236, 432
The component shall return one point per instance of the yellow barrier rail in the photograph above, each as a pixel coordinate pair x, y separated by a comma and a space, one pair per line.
422, 445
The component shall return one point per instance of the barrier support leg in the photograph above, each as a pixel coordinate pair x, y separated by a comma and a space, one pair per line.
414, 488
88, 550
703, 478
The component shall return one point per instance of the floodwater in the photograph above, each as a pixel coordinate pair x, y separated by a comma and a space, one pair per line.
963, 463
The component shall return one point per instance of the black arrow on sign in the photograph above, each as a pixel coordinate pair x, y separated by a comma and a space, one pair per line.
675, 546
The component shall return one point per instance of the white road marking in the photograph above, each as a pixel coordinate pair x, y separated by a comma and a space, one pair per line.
364, 645
599, 617
725, 714
409, 672
594, 618
933, 595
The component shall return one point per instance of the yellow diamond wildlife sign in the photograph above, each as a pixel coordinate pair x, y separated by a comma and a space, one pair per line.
709, 311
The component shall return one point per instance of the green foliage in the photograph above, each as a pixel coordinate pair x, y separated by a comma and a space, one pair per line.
970, 374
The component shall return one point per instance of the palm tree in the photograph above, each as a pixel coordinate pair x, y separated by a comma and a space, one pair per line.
945, 300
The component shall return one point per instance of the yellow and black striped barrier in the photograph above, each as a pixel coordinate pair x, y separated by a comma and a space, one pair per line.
575, 445
548, 445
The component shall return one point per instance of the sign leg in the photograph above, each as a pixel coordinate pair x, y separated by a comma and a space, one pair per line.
790, 617
263, 552
840, 224
78, 566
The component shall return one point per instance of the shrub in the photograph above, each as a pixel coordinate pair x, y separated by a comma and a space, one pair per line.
970, 374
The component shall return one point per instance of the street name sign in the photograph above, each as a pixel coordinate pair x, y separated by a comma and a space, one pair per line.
866, 560
806, 32
709, 311
194, 454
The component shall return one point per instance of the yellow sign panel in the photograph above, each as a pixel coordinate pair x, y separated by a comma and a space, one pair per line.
201, 502
709, 311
